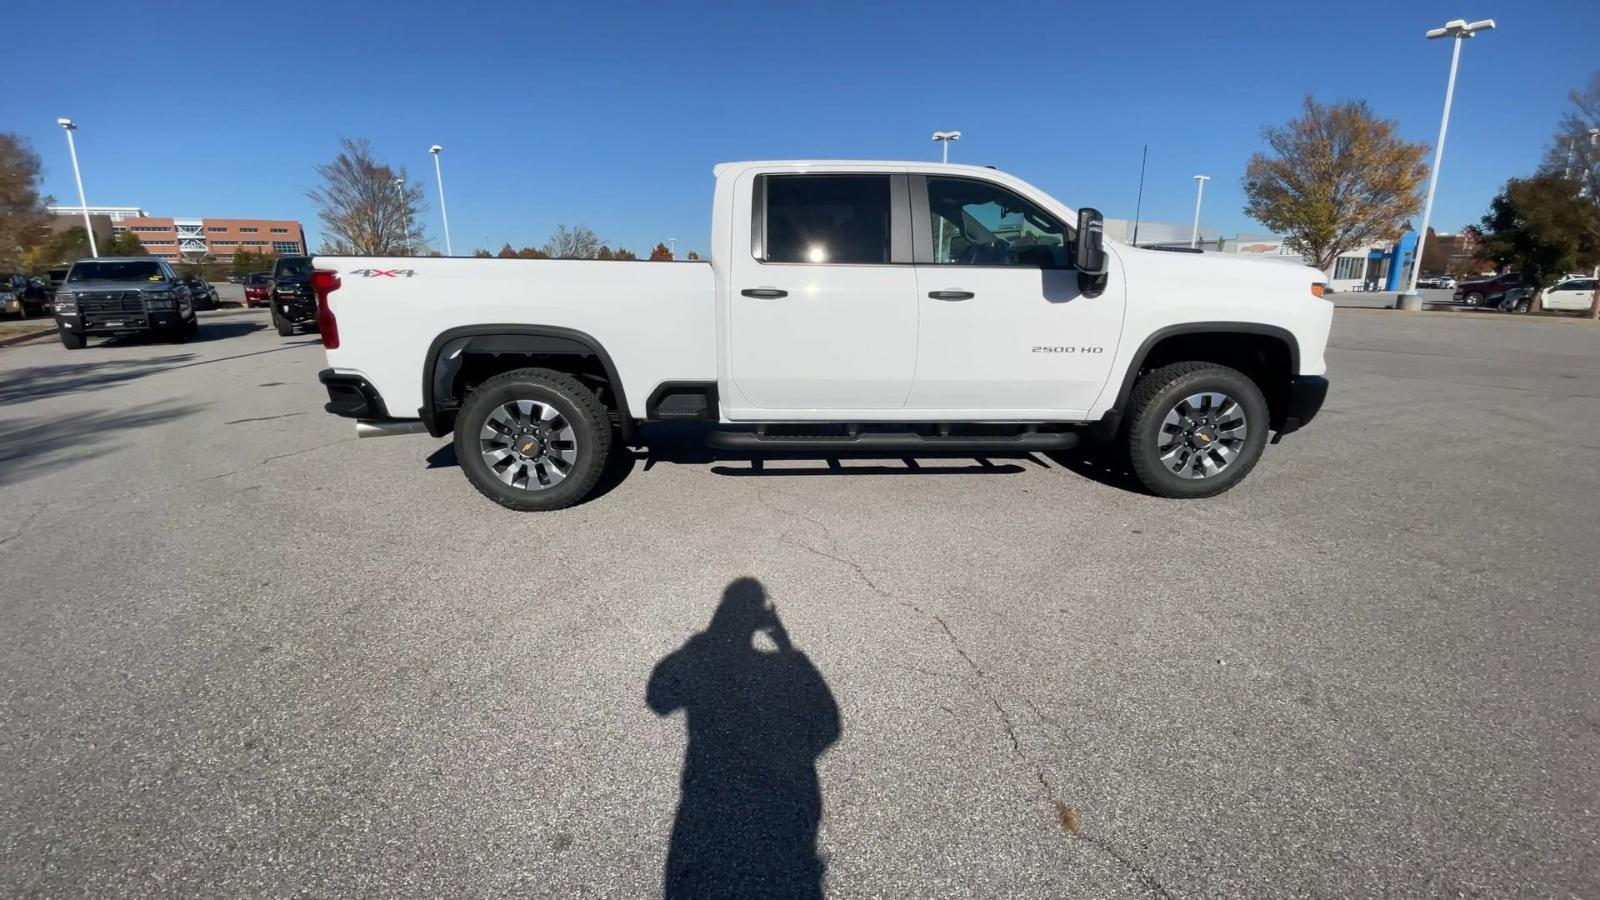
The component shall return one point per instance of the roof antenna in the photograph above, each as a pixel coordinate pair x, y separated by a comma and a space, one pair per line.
1139, 204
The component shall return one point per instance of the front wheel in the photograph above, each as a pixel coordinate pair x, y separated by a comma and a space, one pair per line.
284, 326
73, 341
1473, 299
1195, 429
533, 439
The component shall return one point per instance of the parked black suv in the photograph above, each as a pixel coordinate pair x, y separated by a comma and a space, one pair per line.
293, 302
122, 295
1487, 291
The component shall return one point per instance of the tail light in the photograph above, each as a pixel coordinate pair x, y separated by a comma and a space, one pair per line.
325, 282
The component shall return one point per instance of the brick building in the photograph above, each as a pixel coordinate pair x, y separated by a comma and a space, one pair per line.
189, 239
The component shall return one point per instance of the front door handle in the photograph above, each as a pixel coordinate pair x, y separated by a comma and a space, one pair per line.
951, 295
764, 293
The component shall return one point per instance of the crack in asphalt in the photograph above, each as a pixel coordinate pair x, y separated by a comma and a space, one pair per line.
22, 527
983, 678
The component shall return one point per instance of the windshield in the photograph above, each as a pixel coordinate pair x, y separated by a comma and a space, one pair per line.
294, 268
260, 277
128, 270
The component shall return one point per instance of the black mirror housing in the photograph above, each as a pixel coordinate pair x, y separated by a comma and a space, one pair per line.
1090, 259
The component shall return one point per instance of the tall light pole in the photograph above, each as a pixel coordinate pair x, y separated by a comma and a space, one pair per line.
672, 247
68, 126
1459, 30
405, 212
448, 251
945, 137
1199, 192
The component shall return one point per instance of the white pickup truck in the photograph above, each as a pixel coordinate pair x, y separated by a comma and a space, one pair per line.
847, 306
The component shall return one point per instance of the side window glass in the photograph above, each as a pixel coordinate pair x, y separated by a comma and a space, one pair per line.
827, 218
979, 224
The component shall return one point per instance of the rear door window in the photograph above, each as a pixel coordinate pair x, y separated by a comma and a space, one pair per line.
827, 218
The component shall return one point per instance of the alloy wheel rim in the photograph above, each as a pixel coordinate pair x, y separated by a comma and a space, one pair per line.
1202, 435
528, 444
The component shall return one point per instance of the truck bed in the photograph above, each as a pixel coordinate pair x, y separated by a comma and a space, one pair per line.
656, 320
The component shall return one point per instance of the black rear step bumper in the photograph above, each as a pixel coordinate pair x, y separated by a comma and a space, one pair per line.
1028, 442
352, 396
1306, 393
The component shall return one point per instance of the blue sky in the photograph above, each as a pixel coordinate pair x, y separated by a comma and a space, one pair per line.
612, 115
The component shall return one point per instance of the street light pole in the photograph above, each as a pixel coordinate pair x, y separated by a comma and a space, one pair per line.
88, 227
1459, 30
672, 247
1199, 192
439, 175
405, 212
944, 138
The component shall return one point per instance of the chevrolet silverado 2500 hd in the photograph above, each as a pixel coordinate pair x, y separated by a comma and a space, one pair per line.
846, 306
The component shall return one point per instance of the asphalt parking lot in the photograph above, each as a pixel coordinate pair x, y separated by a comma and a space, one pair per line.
244, 654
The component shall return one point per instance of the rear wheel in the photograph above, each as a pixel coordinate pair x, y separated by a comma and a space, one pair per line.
1195, 429
72, 340
533, 439
1473, 299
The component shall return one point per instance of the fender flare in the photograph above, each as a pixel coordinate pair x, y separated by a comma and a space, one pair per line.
518, 338
1114, 414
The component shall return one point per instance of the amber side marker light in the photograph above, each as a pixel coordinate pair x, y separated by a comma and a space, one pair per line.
1317, 290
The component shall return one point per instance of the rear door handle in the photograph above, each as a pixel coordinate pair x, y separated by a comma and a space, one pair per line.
951, 295
764, 293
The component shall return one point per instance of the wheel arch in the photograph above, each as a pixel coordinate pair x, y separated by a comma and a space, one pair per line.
1268, 354
453, 346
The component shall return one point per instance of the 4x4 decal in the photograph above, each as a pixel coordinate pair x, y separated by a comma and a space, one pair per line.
384, 273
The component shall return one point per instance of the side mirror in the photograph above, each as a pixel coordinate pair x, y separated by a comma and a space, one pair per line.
1090, 260
1091, 257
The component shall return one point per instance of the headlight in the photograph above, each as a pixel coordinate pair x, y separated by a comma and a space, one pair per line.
66, 302
157, 304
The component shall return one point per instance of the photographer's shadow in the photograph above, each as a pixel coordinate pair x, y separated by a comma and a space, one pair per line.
758, 719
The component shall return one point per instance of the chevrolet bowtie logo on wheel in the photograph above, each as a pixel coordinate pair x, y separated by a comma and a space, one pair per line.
384, 273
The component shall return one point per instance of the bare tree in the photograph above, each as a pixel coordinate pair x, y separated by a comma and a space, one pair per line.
368, 208
1338, 177
578, 242
22, 214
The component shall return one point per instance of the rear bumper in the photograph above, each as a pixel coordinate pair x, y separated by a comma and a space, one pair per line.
1306, 393
352, 396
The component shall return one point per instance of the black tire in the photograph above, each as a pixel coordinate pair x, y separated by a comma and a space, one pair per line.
1473, 299
1156, 393
73, 341
192, 327
284, 326
575, 403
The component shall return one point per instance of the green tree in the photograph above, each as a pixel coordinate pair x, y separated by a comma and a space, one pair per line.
482, 254
1335, 179
1543, 228
125, 243
604, 253
247, 261
623, 255
661, 253
59, 249
23, 217
367, 205
692, 255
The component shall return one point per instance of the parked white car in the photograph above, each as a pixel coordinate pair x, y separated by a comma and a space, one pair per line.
1573, 294
899, 307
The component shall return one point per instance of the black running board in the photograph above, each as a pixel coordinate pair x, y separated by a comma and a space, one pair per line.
1042, 441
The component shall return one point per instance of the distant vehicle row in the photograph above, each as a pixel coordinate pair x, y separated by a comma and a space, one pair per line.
1511, 292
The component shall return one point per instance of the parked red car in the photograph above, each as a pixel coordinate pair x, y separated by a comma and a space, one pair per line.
257, 287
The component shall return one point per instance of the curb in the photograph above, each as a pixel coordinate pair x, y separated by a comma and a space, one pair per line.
30, 336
